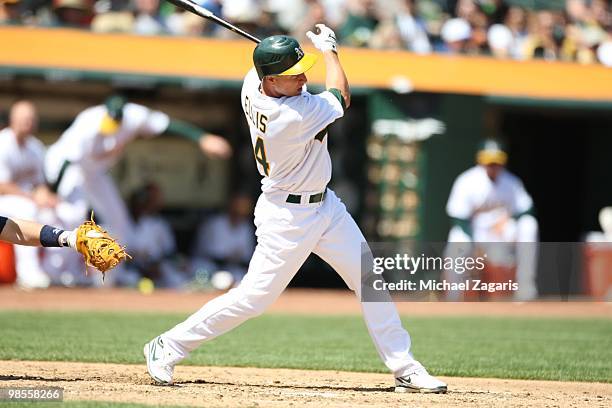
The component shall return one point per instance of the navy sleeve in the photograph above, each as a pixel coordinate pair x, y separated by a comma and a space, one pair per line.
2, 222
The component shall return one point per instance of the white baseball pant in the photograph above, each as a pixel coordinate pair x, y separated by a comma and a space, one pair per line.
287, 234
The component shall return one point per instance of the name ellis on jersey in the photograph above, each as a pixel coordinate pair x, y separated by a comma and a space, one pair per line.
259, 120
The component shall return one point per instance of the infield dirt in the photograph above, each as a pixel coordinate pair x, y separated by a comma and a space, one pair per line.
259, 387
262, 387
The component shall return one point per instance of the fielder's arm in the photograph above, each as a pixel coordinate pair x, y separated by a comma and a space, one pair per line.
21, 232
210, 144
99, 249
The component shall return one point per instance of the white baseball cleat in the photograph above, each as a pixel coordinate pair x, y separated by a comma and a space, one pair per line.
157, 361
420, 381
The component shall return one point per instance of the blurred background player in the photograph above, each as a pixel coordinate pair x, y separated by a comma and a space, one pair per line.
225, 242
488, 204
84, 153
24, 193
154, 246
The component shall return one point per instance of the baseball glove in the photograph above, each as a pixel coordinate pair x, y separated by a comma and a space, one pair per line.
99, 249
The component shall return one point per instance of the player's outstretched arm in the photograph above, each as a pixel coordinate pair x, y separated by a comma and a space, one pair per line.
215, 146
210, 144
22, 232
99, 249
325, 41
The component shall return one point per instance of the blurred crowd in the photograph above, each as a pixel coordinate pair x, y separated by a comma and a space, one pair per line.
572, 30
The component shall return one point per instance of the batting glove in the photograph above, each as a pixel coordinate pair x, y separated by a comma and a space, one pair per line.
325, 40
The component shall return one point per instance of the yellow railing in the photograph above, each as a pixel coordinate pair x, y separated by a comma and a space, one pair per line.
229, 60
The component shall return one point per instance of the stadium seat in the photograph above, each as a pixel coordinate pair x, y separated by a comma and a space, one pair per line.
597, 279
8, 275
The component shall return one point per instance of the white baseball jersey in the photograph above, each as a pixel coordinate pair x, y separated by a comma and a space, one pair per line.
475, 196
83, 143
288, 154
22, 165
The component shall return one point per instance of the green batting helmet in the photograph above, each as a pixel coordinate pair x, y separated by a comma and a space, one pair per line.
281, 55
114, 106
491, 151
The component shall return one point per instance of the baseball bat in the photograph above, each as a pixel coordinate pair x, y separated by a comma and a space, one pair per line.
207, 14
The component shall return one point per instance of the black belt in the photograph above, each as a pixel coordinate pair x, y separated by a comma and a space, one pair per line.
314, 198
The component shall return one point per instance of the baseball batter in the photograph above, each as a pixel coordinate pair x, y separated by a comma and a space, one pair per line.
81, 157
296, 214
488, 204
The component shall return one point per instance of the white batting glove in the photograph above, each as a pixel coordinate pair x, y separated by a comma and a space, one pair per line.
325, 40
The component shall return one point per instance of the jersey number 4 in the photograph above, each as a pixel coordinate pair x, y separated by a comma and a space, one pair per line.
260, 155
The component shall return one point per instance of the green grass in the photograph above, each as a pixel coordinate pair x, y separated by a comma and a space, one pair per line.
529, 348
